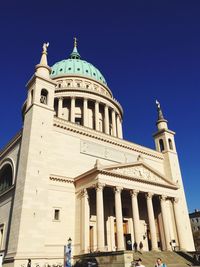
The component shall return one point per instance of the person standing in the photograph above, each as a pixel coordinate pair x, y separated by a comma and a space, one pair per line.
139, 263
159, 263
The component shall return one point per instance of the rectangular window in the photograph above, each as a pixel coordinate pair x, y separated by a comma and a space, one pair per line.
1, 236
56, 214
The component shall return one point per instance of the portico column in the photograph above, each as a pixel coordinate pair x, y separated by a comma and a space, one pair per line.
60, 105
85, 221
85, 112
152, 225
100, 218
136, 218
119, 219
165, 221
178, 219
106, 119
119, 127
97, 116
72, 113
114, 122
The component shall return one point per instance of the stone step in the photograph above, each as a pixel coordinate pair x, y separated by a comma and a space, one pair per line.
172, 259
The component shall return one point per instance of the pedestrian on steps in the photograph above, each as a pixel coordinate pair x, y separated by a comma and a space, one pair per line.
159, 263
139, 263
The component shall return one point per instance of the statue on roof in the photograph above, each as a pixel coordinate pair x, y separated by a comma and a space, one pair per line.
45, 45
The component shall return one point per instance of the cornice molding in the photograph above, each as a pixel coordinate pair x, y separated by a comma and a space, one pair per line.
59, 178
11, 143
82, 130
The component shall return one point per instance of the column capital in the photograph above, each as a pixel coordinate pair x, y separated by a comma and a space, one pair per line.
84, 193
175, 199
134, 193
99, 186
149, 195
118, 189
85, 98
60, 98
163, 198
73, 97
97, 101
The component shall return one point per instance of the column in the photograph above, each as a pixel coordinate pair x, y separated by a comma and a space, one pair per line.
60, 105
165, 221
178, 219
72, 112
85, 112
106, 119
114, 123
85, 221
100, 218
119, 219
119, 127
152, 225
136, 218
97, 116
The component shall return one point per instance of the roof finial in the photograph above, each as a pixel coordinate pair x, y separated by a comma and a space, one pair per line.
43, 60
75, 42
161, 121
42, 68
160, 114
75, 54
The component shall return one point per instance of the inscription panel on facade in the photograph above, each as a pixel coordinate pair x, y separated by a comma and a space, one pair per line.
104, 152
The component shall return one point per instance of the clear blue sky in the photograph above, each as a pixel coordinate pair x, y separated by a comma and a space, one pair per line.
146, 50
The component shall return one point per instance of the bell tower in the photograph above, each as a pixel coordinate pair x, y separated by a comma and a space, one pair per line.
31, 193
165, 143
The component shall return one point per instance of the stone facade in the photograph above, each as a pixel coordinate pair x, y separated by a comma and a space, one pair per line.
69, 173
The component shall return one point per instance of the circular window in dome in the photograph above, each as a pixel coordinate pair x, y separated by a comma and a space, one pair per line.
78, 69
94, 74
86, 71
53, 72
61, 69
69, 68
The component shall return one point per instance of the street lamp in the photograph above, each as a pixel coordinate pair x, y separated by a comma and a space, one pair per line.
67, 252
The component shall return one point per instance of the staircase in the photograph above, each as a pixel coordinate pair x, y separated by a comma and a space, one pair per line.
172, 259
125, 258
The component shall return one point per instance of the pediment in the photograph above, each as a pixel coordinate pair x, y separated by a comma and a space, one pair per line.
139, 171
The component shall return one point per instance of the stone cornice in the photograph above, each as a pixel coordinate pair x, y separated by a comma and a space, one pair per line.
35, 76
142, 181
68, 126
163, 131
11, 143
59, 178
81, 77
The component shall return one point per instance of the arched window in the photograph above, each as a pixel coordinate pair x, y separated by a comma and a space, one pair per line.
5, 178
170, 144
44, 97
161, 143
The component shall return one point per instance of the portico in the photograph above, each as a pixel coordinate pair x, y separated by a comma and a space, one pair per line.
117, 217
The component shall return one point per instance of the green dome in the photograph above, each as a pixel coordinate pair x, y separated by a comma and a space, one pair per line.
76, 66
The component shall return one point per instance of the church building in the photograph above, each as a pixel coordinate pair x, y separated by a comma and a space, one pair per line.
69, 174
